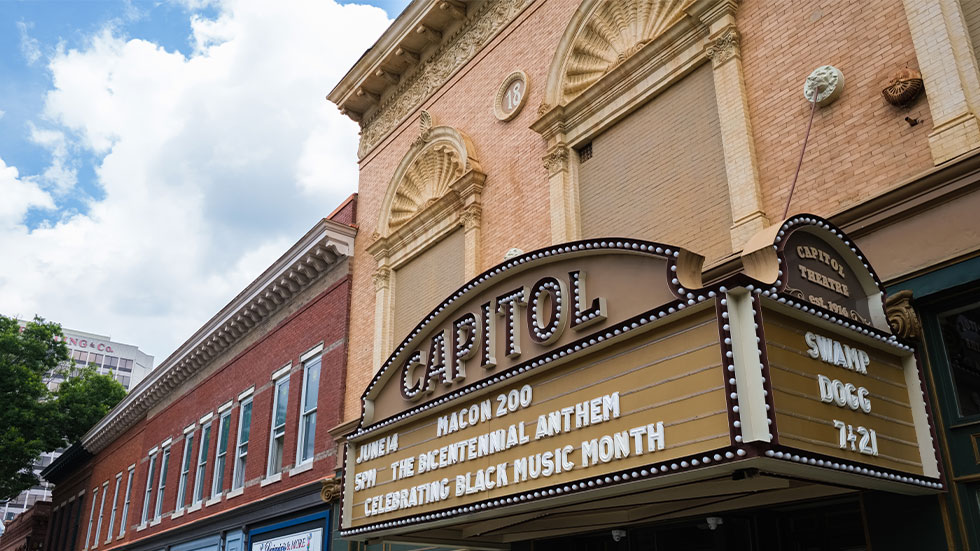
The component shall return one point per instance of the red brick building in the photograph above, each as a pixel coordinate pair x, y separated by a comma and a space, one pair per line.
26, 532
229, 435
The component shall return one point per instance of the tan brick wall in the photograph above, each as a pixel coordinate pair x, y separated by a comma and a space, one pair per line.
971, 13
859, 145
659, 174
515, 197
425, 280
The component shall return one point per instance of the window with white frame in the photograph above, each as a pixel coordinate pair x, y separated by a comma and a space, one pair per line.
164, 463
125, 510
278, 436
112, 514
185, 470
221, 452
148, 495
91, 516
202, 463
241, 449
98, 524
307, 415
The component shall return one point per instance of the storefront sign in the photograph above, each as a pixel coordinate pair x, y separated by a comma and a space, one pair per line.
818, 274
506, 318
548, 376
307, 540
655, 398
594, 365
839, 397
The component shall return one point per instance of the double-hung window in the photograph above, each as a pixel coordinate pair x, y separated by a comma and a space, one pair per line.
164, 463
125, 512
98, 525
307, 416
221, 453
278, 436
185, 470
241, 449
112, 515
148, 495
202, 462
91, 516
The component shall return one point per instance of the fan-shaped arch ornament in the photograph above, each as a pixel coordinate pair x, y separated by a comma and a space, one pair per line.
438, 159
612, 33
427, 178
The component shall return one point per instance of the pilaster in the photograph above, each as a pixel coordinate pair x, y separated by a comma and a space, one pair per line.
949, 70
741, 168
561, 162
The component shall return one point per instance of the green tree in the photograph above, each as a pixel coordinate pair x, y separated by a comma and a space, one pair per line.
83, 399
34, 419
29, 416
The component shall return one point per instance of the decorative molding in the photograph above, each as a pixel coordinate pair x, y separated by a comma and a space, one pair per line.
904, 88
425, 128
436, 188
318, 252
614, 32
499, 109
434, 164
432, 73
824, 85
724, 47
557, 159
902, 317
382, 278
470, 216
428, 178
330, 489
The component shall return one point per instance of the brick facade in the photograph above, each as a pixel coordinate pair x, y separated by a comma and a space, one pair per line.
860, 146
315, 318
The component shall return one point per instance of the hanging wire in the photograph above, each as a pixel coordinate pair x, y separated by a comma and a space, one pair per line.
813, 111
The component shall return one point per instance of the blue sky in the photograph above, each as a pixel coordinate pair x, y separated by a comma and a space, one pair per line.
156, 156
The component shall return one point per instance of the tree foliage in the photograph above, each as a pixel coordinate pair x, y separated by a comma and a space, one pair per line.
83, 399
33, 419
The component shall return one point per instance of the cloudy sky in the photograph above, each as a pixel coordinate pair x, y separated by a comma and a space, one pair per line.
155, 157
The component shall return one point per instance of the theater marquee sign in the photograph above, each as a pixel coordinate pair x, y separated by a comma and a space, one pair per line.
595, 364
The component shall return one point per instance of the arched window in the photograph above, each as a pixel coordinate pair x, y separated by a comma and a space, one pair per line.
428, 236
647, 125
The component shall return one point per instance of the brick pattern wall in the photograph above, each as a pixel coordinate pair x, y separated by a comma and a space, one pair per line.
860, 145
659, 174
346, 213
971, 13
515, 196
425, 280
321, 319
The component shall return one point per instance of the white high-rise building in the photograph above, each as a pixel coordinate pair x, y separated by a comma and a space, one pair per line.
126, 362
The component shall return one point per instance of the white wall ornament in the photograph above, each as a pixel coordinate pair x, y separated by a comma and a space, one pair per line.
511, 96
825, 83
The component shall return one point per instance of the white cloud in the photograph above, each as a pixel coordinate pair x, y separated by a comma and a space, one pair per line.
2, 113
19, 196
59, 176
212, 165
29, 47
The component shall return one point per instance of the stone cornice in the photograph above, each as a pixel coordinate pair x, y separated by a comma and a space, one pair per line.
321, 249
378, 118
